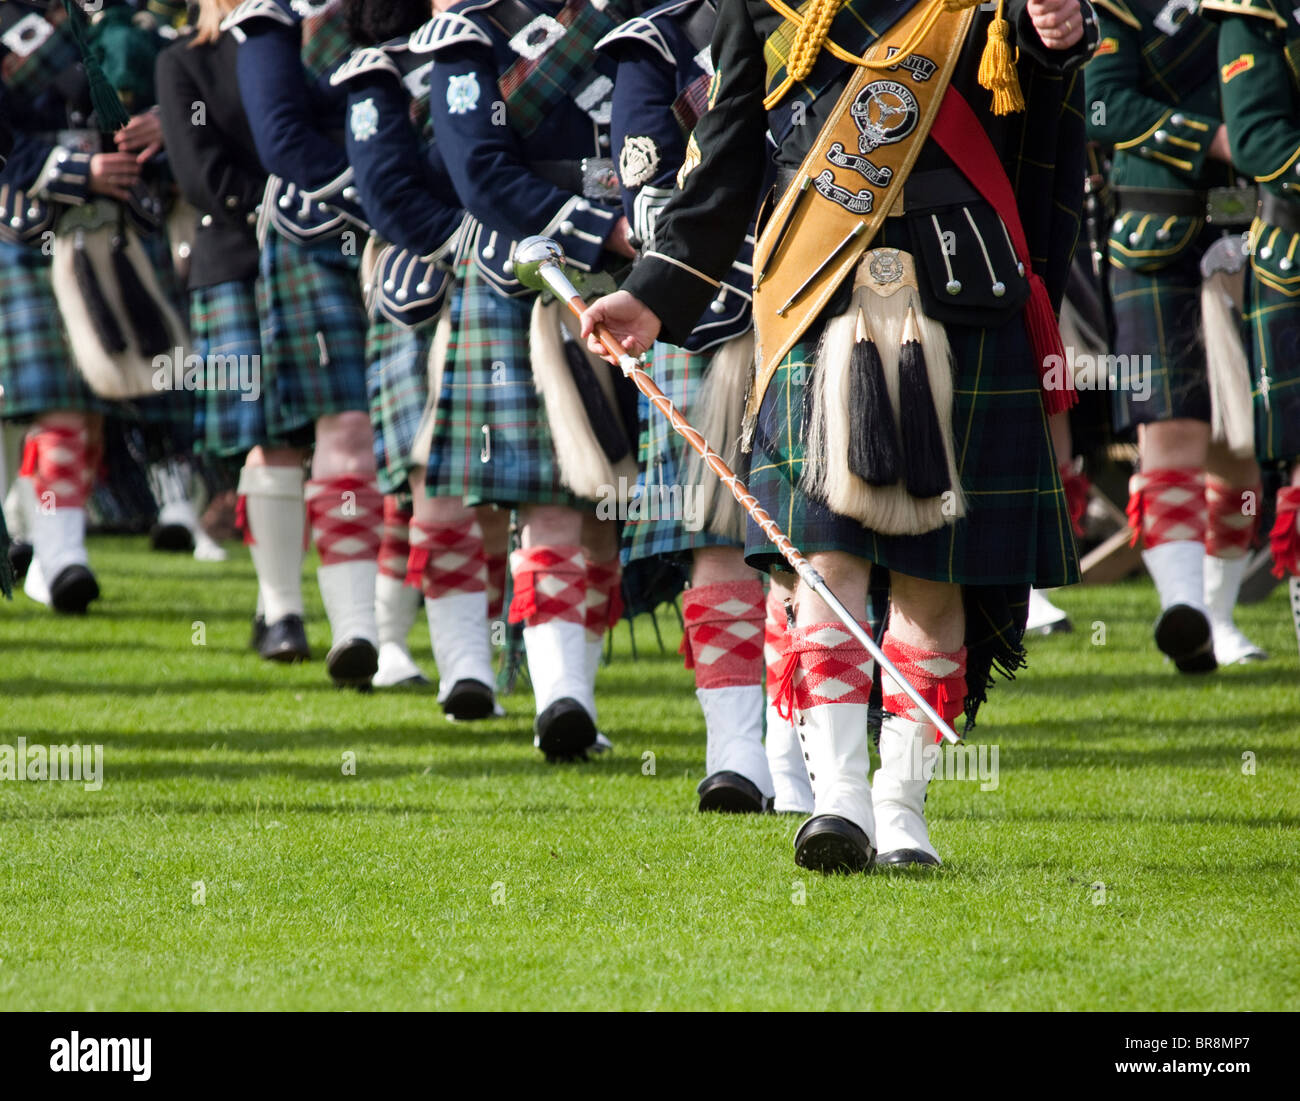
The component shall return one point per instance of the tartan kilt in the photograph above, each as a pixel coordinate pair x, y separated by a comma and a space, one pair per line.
1273, 344
397, 382
491, 443
224, 322
1159, 314
37, 374
313, 336
680, 374
1016, 530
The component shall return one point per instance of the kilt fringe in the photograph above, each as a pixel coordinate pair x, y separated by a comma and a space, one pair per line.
1232, 420
120, 274
585, 468
890, 510
722, 407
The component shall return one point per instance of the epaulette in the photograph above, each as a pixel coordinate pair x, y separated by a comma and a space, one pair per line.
252, 10
1121, 11
366, 59
1255, 9
447, 29
639, 29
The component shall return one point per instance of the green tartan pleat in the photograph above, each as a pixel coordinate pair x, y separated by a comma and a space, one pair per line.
492, 444
1273, 344
224, 322
398, 388
680, 374
1158, 314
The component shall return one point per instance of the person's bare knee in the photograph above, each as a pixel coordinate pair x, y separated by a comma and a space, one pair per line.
846, 575
344, 445
926, 614
599, 538
550, 526
273, 456
1233, 469
717, 565
1174, 444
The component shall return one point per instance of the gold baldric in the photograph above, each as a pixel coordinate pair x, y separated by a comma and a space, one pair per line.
849, 180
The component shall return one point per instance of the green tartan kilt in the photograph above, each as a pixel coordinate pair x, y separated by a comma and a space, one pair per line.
313, 336
1273, 344
1016, 530
224, 322
680, 374
37, 374
1158, 314
492, 444
397, 382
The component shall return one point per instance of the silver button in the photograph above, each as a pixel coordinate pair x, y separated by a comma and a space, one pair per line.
422, 288
954, 286
401, 295
285, 202
206, 220
999, 289
252, 219
1115, 228
16, 222
1134, 238
389, 285
1020, 268
350, 193
508, 267
1265, 253
1162, 136
61, 156
604, 141
231, 202
33, 212
717, 305
1162, 234
1177, 118
489, 252
566, 227
1285, 263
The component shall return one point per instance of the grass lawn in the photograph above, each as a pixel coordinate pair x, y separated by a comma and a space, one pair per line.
1126, 859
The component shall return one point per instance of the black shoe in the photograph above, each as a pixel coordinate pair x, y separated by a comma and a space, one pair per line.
73, 589
20, 559
469, 700
906, 858
284, 640
564, 731
1183, 634
731, 793
259, 632
829, 843
171, 537
352, 662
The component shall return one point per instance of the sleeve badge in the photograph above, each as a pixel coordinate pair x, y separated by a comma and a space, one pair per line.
1236, 68
1107, 46
638, 162
462, 93
364, 120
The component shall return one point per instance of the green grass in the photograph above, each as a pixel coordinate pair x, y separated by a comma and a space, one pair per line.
456, 870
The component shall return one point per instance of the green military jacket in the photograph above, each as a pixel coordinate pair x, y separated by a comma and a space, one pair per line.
1152, 94
1259, 73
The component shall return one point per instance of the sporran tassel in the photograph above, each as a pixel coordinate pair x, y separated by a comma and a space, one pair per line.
92, 294
925, 466
873, 438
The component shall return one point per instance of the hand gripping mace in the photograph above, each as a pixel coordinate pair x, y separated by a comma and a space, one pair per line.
539, 264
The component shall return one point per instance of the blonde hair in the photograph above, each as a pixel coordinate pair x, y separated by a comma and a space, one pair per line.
211, 13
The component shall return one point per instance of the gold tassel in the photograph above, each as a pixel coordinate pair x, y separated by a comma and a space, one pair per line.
998, 68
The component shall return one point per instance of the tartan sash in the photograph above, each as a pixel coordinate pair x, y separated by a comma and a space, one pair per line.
29, 75
533, 87
325, 41
827, 218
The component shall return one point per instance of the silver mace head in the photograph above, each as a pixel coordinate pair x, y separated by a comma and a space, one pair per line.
531, 255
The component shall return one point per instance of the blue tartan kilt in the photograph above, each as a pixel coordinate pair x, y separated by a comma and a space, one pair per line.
397, 382
37, 374
313, 336
1016, 530
491, 442
229, 421
680, 375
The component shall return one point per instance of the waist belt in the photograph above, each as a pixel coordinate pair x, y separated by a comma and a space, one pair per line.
1219, 206
921, 191
1277, 211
